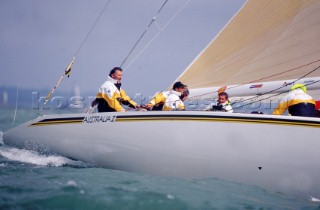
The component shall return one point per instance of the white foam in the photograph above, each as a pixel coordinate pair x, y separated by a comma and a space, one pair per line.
71, 183
313, 199
170, 196
33, 157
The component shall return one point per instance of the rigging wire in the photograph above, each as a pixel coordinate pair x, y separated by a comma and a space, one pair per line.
142, 35
271, 91
68, 69
258, 80
95, 23
161, 29
276, 94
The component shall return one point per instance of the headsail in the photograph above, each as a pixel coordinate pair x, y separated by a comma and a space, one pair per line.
265, 41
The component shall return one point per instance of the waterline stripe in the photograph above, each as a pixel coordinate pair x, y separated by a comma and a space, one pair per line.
200, 118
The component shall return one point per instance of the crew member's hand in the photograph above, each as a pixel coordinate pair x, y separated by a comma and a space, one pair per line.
94, 103
146, 107
143, 108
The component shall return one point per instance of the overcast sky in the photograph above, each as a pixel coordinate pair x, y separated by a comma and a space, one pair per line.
38, 39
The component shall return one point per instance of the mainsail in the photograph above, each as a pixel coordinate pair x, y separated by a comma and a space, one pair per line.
265, 41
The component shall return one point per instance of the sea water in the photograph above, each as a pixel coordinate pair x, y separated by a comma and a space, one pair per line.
29, 180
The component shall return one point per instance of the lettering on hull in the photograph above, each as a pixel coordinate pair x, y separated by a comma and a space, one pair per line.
99, 119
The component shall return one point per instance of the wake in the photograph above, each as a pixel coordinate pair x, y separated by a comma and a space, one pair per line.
314, 199
32, 157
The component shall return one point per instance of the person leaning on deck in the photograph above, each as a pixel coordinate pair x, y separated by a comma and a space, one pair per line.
298, 103
223, 104
175, 100
111, 96
157, 102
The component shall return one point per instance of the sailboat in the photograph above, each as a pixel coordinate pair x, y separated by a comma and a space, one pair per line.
264, 49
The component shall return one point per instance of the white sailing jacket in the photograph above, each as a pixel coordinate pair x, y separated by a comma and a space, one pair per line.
173, 102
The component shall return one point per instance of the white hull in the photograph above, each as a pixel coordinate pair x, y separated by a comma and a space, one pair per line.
276, 152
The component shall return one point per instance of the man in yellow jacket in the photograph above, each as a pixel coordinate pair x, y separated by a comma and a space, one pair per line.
298, 103
111, 96
157, 102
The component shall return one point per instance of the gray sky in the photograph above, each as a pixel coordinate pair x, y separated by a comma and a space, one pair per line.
38, 39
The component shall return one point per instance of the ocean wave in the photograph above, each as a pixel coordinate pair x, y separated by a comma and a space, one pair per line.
314, 199
32, 157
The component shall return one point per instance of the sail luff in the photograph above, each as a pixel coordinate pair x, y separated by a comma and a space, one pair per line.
261, 40
204, 50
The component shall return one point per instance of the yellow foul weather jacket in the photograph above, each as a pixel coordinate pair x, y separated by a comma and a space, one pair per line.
114, 96
298, 103
159, 99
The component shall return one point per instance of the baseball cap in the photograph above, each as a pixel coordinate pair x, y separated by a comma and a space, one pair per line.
178, 85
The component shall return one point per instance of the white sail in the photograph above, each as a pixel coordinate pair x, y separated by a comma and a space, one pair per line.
265, 41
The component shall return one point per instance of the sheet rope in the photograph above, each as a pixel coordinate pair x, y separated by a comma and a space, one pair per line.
261, 79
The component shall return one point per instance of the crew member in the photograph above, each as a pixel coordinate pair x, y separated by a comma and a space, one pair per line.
175, 100
223, 104
111, 96
318, 108
159, 99
298, 103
